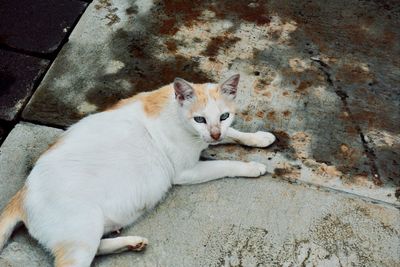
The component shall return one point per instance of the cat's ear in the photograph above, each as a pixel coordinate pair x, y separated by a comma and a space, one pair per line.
229, 87
183, 90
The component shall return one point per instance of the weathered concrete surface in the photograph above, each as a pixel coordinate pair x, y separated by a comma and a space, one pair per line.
230, 222
323, 76
239, 222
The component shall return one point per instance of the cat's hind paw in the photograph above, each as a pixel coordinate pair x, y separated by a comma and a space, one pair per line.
137, 243
262, 139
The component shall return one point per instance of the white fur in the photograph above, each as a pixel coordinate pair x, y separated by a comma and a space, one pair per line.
112, 166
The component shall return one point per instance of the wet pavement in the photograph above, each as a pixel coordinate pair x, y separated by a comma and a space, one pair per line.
324, 77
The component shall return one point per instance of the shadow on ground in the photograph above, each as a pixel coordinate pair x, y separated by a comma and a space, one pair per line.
322, 76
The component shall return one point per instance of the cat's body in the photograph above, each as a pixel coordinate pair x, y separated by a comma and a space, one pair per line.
109, 168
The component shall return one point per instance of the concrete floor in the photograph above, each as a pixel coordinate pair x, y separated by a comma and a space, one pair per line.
322, 76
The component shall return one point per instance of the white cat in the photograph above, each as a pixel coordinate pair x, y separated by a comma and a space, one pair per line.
110, 167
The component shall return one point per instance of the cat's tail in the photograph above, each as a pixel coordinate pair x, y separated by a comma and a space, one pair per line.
12, 214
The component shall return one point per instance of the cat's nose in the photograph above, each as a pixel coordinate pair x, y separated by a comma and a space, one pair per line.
216, 135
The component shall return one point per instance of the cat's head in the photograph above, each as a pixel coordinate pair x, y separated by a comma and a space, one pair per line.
208, 108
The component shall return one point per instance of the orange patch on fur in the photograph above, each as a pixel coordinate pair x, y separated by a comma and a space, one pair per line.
51, 147
63, 250
153, 102
123, 102
199, 91
61, 255
14, 210
54, 145
215, 93
201, 97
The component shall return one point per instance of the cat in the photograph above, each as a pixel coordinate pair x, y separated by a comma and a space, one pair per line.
109, 168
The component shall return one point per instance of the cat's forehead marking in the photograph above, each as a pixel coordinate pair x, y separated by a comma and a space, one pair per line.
200, 92
201, 98
214, 93
207, 95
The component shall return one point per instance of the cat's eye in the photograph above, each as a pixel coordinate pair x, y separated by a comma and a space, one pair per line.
199, 119
224, 116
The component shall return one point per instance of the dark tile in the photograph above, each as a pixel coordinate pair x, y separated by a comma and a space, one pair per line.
5, 128
18, 74
37, 25
2, 133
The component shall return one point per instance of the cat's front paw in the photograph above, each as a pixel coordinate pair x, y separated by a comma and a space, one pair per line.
262, 139
255, 169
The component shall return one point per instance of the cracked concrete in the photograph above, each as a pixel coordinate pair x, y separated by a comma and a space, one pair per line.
322, 76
